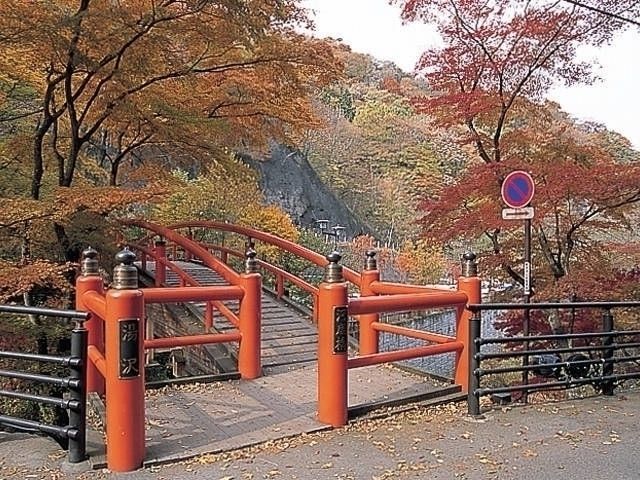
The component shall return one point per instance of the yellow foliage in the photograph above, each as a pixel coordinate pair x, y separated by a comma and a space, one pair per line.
226, 193
422, 261
274, 220
271, 219
222, 194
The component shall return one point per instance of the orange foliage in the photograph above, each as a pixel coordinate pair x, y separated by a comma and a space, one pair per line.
490, 76
181, 75
422, 261
18, 279
270, 219
120, 93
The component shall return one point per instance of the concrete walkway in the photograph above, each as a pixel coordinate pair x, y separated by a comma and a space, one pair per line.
595, 438
194, 419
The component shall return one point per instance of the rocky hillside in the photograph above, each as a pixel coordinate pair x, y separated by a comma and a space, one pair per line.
288, 180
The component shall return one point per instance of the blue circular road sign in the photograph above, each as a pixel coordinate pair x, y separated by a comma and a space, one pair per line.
518, 189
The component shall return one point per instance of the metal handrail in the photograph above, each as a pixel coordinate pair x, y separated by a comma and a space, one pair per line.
477, 307
51, 312
72, 436
574, 370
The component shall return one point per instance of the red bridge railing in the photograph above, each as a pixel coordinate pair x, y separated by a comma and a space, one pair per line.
116, 329
333, 306
116, 341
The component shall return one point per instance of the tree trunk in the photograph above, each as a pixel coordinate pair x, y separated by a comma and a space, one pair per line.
38, 163
72, 160
71, 253
113, 176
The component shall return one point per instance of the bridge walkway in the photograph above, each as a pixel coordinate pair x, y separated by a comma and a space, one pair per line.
289, 340
188, 420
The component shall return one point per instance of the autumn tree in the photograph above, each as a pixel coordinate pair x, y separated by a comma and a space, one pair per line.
227, 192
114, 82
497, 62
421, 261
578, 214
496, 53
99, 101
92, 66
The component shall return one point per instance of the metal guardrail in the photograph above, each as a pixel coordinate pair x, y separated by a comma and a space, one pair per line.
72, 437
563, 367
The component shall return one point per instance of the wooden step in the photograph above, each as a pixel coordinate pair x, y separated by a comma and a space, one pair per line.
289, 339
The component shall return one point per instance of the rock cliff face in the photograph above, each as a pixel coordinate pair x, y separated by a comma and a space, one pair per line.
288, 180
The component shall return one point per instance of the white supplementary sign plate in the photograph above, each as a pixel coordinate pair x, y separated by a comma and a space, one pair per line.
527, 278
523, 213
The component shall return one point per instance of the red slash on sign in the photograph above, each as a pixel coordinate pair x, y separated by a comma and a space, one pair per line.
518, 189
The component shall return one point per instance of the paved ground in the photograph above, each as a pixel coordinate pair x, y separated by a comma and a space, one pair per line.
202, 418
595, 438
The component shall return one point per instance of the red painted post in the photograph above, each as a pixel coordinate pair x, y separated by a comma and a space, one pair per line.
208, 316
249, 316
332, 345
89, 280
468, 283
368, 338
279, 285
224, 257
187, 253
124, 354
161, 270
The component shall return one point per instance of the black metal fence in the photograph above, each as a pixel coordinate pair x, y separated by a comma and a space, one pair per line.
72, 437
601, 359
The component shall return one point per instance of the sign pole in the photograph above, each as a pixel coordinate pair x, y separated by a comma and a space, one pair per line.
527, 299
517, 191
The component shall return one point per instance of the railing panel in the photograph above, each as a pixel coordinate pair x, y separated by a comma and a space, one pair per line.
71, 436
550, 359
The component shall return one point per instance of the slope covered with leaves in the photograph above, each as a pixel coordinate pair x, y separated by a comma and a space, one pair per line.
376, 151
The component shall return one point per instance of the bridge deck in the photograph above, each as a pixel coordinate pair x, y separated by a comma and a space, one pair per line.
288, 338
183, 421
187, 420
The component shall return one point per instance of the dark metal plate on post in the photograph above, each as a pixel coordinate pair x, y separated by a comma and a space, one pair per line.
340, 329
129, 348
